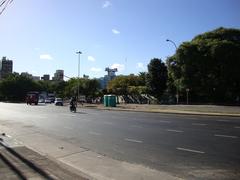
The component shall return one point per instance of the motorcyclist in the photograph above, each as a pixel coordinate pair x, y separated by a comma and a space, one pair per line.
73, 103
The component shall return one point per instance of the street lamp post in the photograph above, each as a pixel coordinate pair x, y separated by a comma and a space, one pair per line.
168, 40
187, 91
79, 53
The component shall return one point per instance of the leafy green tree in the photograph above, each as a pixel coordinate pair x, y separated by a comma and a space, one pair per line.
142, 78
15, 87
208, 66
88, 87
126, 85
156, 78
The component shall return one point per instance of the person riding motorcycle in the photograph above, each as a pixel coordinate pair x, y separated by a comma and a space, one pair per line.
73, 104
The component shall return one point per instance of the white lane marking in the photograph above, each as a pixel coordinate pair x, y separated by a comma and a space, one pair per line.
133, 140
238, 127
222, 120
136, 126
174, 130
162, 121
108, 123
226, 136
94, 133
8, 136
190, 150
198, 124
66, 127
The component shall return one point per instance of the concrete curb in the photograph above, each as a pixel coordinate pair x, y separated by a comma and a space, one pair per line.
163, 111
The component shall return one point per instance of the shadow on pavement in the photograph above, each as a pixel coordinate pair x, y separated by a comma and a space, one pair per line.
25, 161
80, 112
12, 167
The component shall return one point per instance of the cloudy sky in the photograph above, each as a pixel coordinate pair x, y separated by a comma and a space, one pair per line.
42, 36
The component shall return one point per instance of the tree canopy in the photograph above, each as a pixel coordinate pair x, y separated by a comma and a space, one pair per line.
208, 66
131, 84
156, 79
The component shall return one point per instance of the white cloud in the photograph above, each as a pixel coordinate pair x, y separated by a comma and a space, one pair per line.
120, 67
94, 69
115, 31
46, 57
140, 65
91, 58
106, 4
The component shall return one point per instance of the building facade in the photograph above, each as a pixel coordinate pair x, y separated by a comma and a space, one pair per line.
58, 75
110, 76
27, 75
6, 67
46, 77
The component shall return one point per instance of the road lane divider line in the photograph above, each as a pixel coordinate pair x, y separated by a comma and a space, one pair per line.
132, 140
108, 123
226, 136
222, 120
190, 150
237, 127
136, 126
198, 124
66, 127
94, 133
174, 130
162, 121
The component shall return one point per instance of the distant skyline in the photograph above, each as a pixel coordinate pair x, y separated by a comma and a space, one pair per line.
43, 36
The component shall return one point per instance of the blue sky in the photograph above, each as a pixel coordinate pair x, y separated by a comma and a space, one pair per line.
42, 36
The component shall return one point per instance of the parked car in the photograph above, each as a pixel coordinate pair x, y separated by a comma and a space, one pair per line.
41, 100
48, 100
58, 102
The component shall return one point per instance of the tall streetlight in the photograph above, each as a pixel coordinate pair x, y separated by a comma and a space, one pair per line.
79, 53
187, 91
168, 40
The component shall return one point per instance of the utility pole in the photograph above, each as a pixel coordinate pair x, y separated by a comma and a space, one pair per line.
187, 91
79, 53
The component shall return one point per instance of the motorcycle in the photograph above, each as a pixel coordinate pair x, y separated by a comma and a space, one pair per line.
73, 108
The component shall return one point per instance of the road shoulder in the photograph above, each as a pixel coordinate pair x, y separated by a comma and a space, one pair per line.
86, 162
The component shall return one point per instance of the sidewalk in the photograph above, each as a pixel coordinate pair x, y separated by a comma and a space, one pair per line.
175, 109
19, 162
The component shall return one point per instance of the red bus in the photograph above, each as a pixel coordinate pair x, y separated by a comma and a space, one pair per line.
32, 97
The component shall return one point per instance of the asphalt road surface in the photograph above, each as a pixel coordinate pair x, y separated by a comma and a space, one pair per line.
179, 144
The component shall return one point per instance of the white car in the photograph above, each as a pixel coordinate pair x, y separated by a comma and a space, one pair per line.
48, 100
58, 102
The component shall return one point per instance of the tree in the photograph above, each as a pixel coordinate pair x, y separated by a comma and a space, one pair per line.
15, 88
142, 78
156, 78
208, 66
88, 87
127, 85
